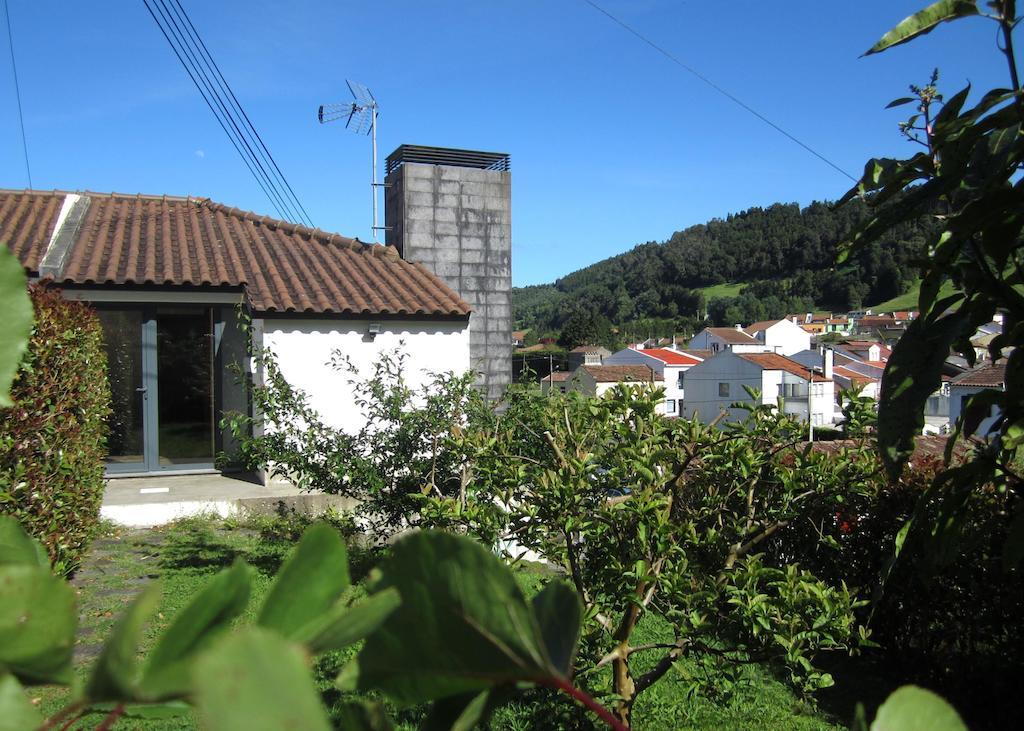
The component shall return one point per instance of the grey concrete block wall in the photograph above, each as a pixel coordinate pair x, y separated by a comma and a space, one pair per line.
457, 221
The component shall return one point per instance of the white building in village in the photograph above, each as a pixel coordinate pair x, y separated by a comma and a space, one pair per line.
717, 383
780, 336
671, 365
720, 339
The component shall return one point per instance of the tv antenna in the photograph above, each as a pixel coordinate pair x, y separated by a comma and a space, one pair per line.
360, 116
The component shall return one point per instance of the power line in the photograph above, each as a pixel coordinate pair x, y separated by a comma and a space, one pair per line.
209, 103
717, 88
184, 40
238, 106
17, 94
282, 207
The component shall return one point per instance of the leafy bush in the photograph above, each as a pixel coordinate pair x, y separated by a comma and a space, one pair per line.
662, 517
937, 622
53, 439
405, 450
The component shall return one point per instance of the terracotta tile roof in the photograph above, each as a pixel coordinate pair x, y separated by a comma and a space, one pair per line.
590, 349
26, 224
617, 373
732, 335
697, 353
776, 362
992, 375
670, 357
283, 267
756, 327
557, 377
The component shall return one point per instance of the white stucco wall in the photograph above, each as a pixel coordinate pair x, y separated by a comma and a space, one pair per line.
957, 395
305, 348
631, 356
785, 338
702, 390
702, 381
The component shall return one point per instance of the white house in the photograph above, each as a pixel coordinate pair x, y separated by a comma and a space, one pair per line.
991, 376
669, 364
719, 339
169, 276
717, 383
780, 336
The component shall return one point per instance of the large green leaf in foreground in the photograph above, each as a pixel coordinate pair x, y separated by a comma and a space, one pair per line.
253, 680
17, 313
915, 709
37, 624
464, 625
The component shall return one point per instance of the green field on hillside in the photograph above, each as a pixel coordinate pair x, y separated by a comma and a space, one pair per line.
721, 290
908, 300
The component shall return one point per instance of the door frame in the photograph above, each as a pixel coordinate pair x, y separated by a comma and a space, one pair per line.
150, 462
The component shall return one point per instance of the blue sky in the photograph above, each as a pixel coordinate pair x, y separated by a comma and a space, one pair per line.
611, 144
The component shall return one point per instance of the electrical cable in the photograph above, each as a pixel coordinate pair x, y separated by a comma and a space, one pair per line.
242, 135
225, 85
209, 104
717, 88
287, 214
17, 94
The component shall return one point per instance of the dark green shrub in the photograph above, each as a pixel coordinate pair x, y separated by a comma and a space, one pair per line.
53, 440
957, 627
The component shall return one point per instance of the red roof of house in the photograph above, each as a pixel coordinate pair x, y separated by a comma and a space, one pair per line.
776, 362
165, 240
670, 357
617, 373
732, 335
992, 375
557, 376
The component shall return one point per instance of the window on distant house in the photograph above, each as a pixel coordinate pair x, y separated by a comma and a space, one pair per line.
723, 390
670, 406
714, 347
679, 381
680, 407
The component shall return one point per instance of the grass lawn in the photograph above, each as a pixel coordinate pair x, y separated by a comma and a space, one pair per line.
908, 300
184, 555
721, 290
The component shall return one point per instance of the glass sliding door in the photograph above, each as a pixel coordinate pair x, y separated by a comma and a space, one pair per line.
122, 330
161, 369
184, 366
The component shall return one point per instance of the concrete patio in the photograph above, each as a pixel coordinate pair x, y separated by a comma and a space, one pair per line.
142, 502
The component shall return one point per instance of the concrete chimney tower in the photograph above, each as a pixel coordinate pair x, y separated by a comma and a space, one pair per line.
451, 211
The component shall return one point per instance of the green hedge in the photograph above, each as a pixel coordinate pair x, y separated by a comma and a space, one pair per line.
53, 440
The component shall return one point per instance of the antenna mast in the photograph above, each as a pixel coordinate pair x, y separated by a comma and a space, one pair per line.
360, 116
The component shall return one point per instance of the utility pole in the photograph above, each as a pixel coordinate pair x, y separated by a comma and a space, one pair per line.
810, 407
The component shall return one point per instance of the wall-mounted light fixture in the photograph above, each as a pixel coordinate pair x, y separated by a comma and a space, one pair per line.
373, 330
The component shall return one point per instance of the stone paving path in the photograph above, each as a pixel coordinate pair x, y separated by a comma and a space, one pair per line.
115, 570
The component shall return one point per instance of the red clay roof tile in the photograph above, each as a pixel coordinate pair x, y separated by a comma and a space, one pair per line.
776, 362
283, 267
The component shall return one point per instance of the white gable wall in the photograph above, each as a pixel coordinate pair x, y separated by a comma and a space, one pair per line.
785, 338
703, 397
304, 349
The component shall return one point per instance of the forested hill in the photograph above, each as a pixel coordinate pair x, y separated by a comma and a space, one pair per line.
784, 255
